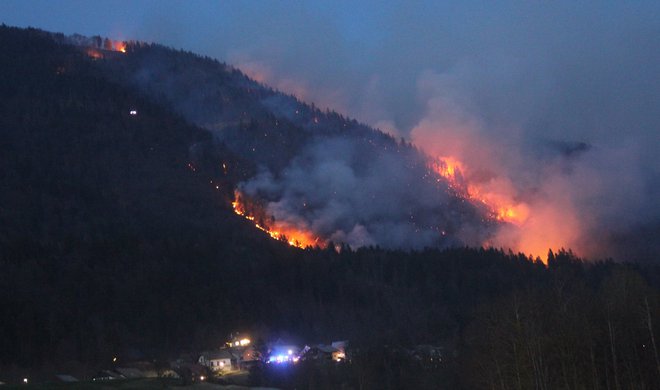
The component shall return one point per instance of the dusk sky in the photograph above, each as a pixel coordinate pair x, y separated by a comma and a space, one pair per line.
508, 63
506, 87
324, 194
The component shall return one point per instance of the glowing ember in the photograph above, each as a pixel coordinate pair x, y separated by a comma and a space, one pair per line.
94, 53
280, 231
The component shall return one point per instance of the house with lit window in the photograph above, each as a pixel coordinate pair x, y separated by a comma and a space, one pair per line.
220, 360
238, 340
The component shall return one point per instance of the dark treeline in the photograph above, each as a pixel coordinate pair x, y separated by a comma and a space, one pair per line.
114, 240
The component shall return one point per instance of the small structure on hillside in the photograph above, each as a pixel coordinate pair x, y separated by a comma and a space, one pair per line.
238, 340
221, 360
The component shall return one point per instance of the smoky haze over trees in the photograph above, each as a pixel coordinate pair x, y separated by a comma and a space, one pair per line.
114, 240
496, 85
316, 170
598, 199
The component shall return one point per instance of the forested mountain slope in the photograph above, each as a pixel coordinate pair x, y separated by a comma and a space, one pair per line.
316, 170
117, 238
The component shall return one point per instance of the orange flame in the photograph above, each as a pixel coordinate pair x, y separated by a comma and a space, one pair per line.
108, 47
500, 208
527, 232
119, 46
448, 167
280, 231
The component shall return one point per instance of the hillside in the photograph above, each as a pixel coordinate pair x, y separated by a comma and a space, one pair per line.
317, 171
117, 238
94, 202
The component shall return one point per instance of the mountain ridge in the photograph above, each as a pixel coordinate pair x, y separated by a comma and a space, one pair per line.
117, 239
304, 156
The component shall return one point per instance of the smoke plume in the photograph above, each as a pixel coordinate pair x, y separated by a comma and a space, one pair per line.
366, 193
552, 108
511, 91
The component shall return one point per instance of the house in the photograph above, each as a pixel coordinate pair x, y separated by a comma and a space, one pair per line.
238, 340
323, 352
221, 360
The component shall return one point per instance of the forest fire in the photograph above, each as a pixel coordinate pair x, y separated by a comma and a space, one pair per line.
94, 53
279, 230
100, 49
500, 208
119, 46
530, 227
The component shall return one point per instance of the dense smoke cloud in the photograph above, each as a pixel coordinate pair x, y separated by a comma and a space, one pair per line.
507, 89
510, 88
344, 191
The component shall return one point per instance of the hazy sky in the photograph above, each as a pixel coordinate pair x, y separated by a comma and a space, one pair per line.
370, 58
499, 84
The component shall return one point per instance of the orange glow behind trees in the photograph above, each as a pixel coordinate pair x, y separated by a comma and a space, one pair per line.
529, 227
108, 46
119, 46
